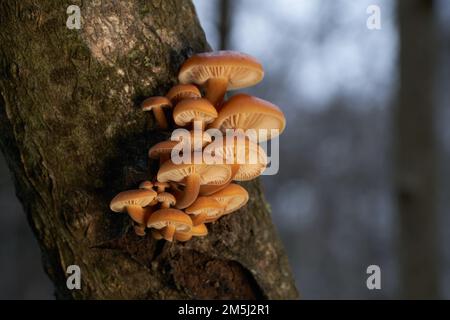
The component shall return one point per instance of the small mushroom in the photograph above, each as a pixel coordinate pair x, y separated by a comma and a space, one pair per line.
243, 111
161, 186
221, 71
205, 208
192, 176
232, 198
183, 91
197, 231
162, 150
166, 199
194, 110
147, 185
156, 104
168, 221
133, 202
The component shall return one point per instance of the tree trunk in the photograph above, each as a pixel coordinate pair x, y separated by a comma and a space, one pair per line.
73, 135
415, 161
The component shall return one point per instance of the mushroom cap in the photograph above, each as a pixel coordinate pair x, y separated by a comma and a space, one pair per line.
139, 214
233, 197
162, 185
146, 185
164, 217
243, 111
251, 158
199, 230
182, 236
163, 147
189, 110
241, 70
152, 102
138, 197
166, 197
183, 91
209, 173
206, 205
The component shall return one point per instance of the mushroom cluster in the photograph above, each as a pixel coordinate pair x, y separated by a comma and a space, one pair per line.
186, 196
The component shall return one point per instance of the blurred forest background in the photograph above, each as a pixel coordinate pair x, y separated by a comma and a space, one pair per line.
364, 176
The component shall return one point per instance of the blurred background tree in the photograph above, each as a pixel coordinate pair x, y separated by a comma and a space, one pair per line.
339, 201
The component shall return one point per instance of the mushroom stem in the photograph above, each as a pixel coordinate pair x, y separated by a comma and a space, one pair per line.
190, 193
139, 229
208, 189
136, 213
199, 219
156, 234
165, 204
168, 232
160, 117
215, 90
164, 157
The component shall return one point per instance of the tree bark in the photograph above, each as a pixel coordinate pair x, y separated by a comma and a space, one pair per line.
415, 152
73, 136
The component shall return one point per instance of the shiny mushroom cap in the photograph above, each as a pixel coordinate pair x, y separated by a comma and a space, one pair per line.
138, 197
166, 199
233, 197
240, 70
243, 111
206, 205
190, 110
146, 185
250, 158
170, 217
197, 231
162, 148
209, 174
183, 91
155, 102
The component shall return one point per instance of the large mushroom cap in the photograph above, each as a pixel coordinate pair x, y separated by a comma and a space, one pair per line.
205, 205
169, 216
153, 102
209, 174
190, 110
248, 155
233, 197
139, 197
239, 69
183, 91
243, 111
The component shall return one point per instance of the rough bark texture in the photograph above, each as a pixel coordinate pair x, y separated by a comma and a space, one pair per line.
73, 136
415, 166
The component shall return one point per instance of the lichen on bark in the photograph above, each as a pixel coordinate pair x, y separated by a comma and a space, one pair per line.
73, 136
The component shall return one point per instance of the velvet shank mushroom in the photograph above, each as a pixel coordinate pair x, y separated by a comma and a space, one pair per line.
197, 231
191, 110
192, 176
168, 221
133, 202
183, 91
243, 111
232, 198
246, 158
156, 104
166, 199
205, 208
221, 71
